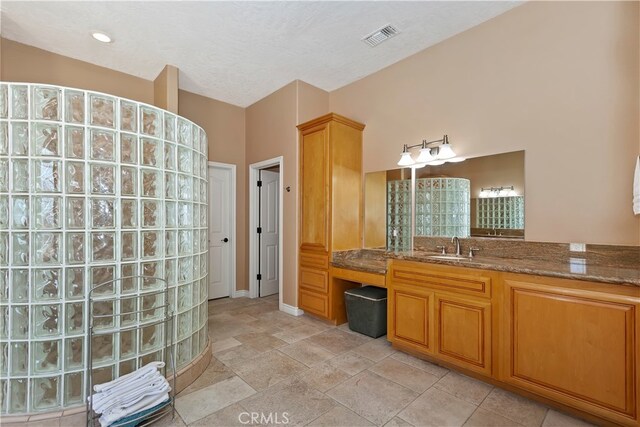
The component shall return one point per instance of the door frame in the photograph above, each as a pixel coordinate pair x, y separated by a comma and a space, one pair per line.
232, 168
254, 207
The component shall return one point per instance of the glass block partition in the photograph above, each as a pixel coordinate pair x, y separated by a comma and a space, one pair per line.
93, 187
399, 215
500, 212
443, 207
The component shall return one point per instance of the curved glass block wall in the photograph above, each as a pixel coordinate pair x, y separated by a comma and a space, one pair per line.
93, 187
399, 215
443, 207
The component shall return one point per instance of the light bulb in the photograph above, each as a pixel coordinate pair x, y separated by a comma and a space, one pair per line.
483, 194
101, 37
406, 159
425, 156
445, 152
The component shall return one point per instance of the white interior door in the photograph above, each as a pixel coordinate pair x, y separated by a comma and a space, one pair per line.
220, 226
268, 222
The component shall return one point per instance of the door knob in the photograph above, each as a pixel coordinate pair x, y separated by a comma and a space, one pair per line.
225, 240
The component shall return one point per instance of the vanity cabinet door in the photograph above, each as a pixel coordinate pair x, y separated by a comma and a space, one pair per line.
411, 317
574, 346
463, 332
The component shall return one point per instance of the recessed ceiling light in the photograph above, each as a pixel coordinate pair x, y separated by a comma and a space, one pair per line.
101, 37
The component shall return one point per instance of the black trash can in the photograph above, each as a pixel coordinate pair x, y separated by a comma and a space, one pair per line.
367, 310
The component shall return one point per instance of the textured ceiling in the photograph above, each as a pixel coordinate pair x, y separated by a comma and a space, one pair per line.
239, 52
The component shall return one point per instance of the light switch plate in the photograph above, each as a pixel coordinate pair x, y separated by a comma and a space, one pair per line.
577, 247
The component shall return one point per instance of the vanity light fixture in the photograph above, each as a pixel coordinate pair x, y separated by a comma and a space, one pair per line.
429, 156
101, 37
505, 191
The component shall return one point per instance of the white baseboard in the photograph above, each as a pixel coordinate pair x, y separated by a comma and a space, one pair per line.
289, 309
240, 294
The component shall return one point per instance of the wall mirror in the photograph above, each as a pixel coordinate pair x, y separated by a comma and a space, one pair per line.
480, 197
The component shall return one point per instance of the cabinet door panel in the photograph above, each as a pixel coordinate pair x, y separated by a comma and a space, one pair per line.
464, 332
573, 347
412, 317
314, 190
314, 302
315, 280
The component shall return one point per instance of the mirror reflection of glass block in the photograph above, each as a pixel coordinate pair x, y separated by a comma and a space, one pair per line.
19, 139
46, 356
128, 116
151, 121
18, 395
75, 177
19, 102
47, 212
74, 282
19, 358
129, 245
103, 246
102, 110
128, 148
102, 213
102, 179
129, 213
47, 248
74, 353
74, 106
46, 103
46, 284
102, 145
73, 388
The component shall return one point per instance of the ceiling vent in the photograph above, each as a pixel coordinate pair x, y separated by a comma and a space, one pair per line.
378, 36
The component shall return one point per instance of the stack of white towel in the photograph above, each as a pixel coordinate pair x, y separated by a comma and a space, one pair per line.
636, 188
130, 394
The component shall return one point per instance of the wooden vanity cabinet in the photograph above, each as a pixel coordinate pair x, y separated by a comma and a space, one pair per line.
441, 311
330, 203
573, 342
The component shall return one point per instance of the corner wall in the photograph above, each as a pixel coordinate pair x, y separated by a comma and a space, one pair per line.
557, 79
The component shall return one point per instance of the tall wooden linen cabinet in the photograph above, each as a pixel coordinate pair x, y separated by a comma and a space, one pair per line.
330, 205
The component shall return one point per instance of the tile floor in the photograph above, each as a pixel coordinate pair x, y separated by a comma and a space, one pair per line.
304, 372
301, 371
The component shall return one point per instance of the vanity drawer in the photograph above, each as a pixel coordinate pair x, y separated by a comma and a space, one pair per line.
315, 280
445, 278
314, 302
314, 260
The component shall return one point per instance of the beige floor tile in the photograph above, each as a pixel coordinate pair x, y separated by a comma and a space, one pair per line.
324, 377
225, 344
437, 408
215, 372
206, 401
299, 333
375, 350
292, 398
483, 418
558, 419
237, 355
372, 397
514, 407
340, 417
429, 367
261, 341
398, 422
337, 341
168, 421
307, 352
350, 363
466, 388
403, 374
77, 420
268, 369
226, 417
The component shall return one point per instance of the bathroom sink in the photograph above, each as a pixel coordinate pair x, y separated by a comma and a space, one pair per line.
450, 257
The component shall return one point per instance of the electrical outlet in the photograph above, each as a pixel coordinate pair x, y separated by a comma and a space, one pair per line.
577, 247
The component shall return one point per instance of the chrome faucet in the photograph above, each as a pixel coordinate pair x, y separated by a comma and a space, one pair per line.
455, 240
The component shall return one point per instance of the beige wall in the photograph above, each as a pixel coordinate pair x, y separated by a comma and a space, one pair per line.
271, 132
557, 79
225, 127
22, 63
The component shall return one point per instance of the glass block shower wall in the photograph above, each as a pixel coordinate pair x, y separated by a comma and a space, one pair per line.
94, 187
443, 207
500, 212
399, 215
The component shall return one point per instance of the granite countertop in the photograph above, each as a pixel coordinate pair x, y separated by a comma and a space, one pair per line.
375, 261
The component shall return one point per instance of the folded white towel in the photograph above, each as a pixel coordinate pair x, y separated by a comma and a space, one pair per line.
127, 397
149, 367
146, 403
636, 188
